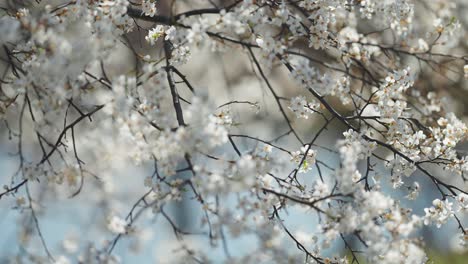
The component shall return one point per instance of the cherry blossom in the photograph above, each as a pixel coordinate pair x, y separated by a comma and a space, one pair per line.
256, 131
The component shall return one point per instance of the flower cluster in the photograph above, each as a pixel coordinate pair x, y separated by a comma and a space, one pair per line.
154, 34
305, 158
149, 8
302, 108
439, 213
390, 95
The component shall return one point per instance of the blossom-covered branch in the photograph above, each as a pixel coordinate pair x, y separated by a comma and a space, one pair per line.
341, 115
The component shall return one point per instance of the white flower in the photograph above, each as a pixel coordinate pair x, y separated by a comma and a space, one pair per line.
321, 189
171, 33
70, 244
302, 108
439, 213
148, 8
462, 202
463, 238
196, 34
215, 132
116, 225
308, 161
245, 173
304, 238
271, 45
180, 55
375, 203
422, 46
267, 149
390, 95
154, 34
